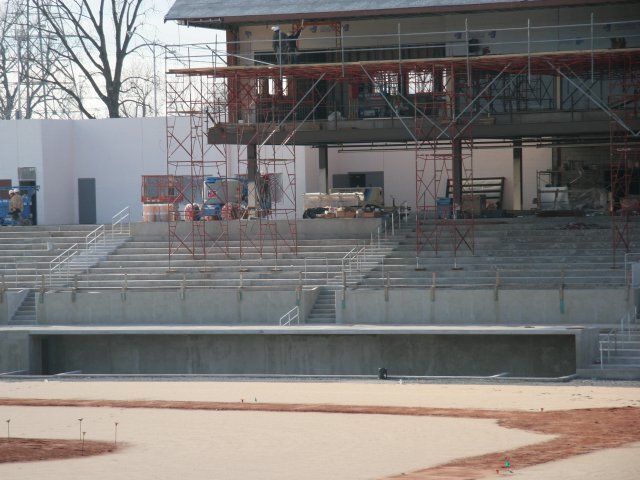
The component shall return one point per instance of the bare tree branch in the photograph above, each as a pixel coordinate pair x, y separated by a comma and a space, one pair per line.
95, 36
29, 58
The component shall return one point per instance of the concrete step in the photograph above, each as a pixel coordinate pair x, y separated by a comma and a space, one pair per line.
321, 316
525, 251
622, 341
26, 313
323, 310
611, 372
619, 360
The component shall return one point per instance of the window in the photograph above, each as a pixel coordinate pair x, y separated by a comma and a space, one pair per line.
386, 83
420, 82
271, 87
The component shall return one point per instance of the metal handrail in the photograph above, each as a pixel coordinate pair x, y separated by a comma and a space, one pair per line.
119, 219
344, 259
611, 337
377, 230
22, 273
326, 262
91, 240
61, 261
523, 38
603, 349
626, 319
629, 260
353, 255
349, 257
291, 316
97, 235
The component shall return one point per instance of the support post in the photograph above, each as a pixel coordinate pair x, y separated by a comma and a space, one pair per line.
252, 169
562, 292
386, 288
456, 150
517, 175
299, 289
42, 288
74, 289
433, 286
123, 294
323, 166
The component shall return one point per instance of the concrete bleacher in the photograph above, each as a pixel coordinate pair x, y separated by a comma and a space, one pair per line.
143, 263
30, 261
26, 252
147, 264
528, 252
339, 282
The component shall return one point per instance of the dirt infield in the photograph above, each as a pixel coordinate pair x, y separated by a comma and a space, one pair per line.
576, 432
36, 449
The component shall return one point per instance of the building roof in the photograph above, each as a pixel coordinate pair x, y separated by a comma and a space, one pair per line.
218, 12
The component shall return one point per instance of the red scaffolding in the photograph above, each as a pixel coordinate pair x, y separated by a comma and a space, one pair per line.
192, 106
252, 109
257, 111
443, 157
624, 98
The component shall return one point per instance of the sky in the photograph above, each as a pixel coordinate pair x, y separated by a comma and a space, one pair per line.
154, 30
172, 34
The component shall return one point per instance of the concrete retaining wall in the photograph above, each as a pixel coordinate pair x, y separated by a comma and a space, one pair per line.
9, 303
480, 307
15, 351
90, 345
397, 307
305, 228
311, 354
195, 307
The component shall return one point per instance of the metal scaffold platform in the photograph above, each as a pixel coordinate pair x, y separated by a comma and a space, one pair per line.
230, 116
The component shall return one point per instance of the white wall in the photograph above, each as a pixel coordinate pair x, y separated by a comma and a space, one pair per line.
496, 163
311, 171
400, 170
57, 200
503, 31
118, 152
398, 167
20, 146
533, 161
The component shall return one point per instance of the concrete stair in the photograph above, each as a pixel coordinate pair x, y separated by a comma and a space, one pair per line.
146, 264
358, 268
621, 349
620, 357
84, 260
324, 310
26, 252
527, 252
26, 312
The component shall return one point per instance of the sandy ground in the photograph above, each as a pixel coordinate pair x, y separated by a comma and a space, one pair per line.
467, 432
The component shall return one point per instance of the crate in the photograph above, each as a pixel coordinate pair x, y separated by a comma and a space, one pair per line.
444, 207
474, 204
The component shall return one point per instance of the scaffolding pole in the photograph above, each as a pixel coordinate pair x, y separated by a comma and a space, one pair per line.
259, 109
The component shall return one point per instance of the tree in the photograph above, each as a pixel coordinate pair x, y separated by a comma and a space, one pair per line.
96, 37
27, 61
138, 90
9, 66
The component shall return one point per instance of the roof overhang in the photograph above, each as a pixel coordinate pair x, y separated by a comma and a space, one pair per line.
221, 14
